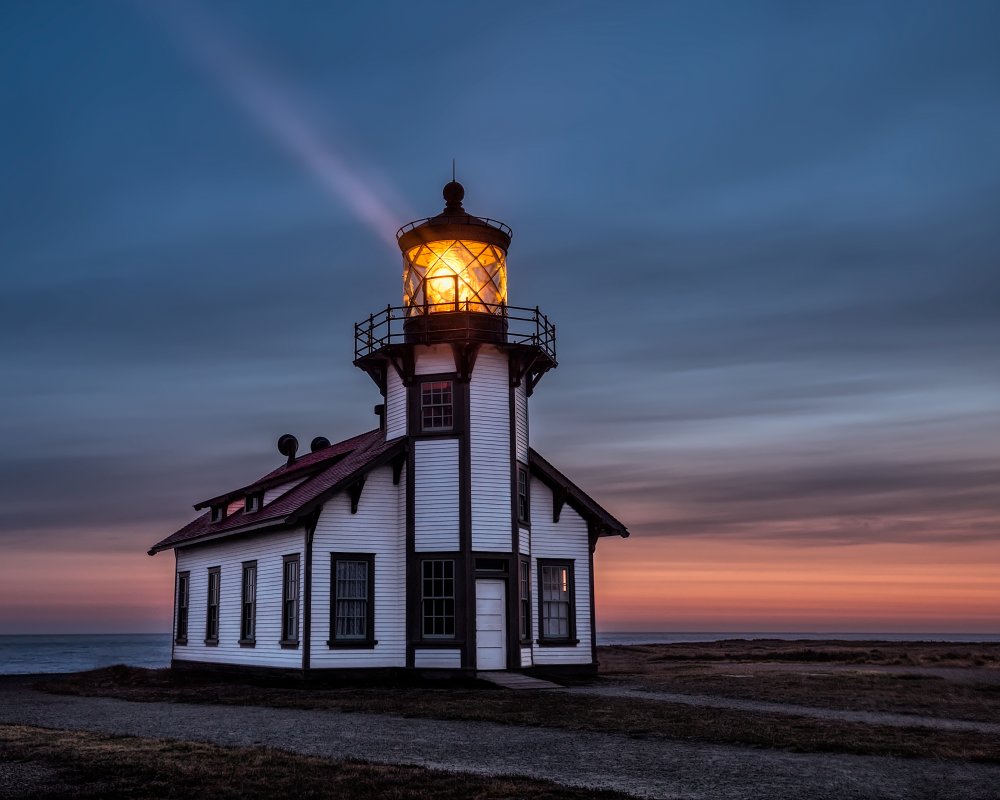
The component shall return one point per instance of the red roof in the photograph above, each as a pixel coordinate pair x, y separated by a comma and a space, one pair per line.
325, 472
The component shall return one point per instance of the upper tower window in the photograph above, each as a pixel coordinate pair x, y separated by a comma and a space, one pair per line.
437, 408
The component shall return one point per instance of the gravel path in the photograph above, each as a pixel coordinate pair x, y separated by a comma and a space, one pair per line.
645, 768
989, 675
717, 701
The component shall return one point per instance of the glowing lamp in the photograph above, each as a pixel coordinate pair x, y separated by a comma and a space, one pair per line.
454, 262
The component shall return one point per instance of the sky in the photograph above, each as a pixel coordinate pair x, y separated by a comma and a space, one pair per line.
767, 234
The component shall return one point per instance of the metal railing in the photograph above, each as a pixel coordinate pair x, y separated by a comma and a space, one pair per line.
458, 219
477, 321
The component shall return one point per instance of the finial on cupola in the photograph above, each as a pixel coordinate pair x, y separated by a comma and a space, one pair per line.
454, 262
453, 193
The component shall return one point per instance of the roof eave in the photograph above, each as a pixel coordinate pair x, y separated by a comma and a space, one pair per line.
273, 522
577, 499
290, 520
380, 460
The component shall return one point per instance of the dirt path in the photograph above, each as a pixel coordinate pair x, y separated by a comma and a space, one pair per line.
974, 675
645, 768
717, 701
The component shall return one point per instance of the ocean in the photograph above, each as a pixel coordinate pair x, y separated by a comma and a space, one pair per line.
76, 652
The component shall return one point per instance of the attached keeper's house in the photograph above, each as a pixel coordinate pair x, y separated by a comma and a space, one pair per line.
440, 540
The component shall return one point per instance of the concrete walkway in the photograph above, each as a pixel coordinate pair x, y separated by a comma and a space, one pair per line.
644, 768
516, 680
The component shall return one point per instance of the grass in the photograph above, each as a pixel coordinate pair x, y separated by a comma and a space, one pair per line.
824, 675
95, 766
874, 653
625, 716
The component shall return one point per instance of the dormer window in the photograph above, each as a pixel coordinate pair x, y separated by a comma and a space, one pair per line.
253, 503
218, 512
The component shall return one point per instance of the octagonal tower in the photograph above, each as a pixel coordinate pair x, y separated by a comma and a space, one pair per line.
456, 364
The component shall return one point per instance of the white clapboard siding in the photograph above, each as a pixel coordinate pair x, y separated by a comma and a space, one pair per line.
379, 528
276, 492
431, 359
521, 423
526, 657
435, 473
395, 406
524, 540
268, 549
437, 659
567, 539
489, 431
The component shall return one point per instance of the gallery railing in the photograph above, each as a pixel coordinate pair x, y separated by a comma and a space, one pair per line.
455, 322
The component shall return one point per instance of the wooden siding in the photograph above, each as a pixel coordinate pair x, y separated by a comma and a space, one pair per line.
566, 539
379, 528
435, 472
267, 550
526, 657
434, 358
395, 406
437, 659
489, 431
521, 422
274, 493
524, 539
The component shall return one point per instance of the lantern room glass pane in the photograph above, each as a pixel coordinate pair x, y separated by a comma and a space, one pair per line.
455, 275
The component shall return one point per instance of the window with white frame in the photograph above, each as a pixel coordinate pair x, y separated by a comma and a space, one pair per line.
248, 604
523, 501
183, 595
352, 613
437, 604
525, 598
290, 601
212, 605
437, 406
556, 610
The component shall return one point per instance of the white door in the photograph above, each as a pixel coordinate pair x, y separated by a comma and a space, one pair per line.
491, 625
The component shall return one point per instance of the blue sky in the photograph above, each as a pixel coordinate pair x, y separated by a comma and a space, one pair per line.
767, 234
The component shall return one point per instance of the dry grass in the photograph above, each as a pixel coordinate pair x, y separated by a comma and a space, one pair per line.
627, 716
822, 675
874, 653
92, 766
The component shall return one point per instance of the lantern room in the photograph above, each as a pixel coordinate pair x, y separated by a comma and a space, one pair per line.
454, 262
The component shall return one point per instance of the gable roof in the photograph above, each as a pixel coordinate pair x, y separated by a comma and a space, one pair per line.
299, 468
599, 518
325, 473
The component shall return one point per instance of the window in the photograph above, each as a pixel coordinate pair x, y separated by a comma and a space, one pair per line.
556, 613
438, 598
253, 503
352, 601
290, 601
436, 406
212, 615
183, 592
248, 613
523, 506
218, 513
525, 601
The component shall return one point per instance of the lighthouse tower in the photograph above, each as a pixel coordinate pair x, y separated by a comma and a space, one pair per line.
456, 364
438, 541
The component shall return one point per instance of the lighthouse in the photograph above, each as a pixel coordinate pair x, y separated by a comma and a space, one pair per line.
439, 541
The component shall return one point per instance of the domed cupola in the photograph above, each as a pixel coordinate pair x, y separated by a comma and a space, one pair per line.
455, 261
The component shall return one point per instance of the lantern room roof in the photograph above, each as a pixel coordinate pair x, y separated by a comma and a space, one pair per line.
454, 223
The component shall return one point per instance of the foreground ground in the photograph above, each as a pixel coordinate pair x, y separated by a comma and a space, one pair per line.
712, 721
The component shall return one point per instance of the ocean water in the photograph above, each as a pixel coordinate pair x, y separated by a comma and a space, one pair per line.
76, 652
